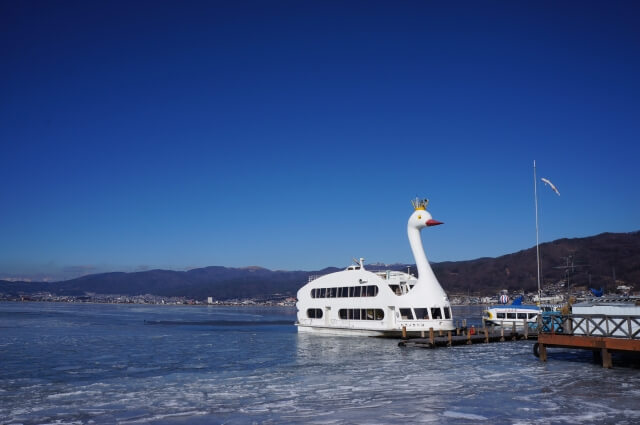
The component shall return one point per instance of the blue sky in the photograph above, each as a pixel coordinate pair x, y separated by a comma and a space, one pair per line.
292, 135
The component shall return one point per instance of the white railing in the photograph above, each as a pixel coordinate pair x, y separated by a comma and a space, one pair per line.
605, 325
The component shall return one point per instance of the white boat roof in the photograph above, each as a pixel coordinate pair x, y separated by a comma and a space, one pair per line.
610, 301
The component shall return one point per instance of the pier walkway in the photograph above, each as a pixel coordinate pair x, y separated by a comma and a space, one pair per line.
468, 336
597, 332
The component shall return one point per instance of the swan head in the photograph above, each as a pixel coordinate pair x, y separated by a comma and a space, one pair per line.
421, 219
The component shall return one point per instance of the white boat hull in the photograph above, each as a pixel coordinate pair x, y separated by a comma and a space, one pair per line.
353, 331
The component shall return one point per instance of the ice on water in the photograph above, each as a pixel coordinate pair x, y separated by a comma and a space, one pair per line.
103, 364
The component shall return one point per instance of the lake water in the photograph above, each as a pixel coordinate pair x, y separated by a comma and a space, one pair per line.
132, 364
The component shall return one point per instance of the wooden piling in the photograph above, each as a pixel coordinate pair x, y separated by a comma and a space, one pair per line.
404, 332
431, 336
450, 343
606, 359
542, 349
501, 331
514, 334
486, 335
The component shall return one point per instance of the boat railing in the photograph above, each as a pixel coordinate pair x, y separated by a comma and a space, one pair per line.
392, 274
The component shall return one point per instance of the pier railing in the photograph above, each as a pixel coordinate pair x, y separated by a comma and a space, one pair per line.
610, 326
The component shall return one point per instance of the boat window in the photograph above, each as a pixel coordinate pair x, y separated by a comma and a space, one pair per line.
406, 313
422, 313
361, 314
522, 315
314, 313
344, 292
395, 289
511, 315
532, 315
436, 313
447, 313
500, 315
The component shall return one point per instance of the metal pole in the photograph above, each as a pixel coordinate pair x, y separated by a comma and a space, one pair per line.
535, 192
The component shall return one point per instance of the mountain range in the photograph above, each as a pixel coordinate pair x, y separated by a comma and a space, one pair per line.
596, 260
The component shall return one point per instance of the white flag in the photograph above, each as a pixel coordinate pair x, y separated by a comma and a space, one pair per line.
546, 181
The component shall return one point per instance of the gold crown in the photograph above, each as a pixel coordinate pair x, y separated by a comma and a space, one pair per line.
419, 204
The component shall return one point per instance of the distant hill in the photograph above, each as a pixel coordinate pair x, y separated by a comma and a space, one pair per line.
602, 254
482, 276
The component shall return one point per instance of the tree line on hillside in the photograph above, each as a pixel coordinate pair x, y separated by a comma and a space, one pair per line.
596, 259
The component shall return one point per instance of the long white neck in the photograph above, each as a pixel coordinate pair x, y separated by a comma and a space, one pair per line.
426, 276
415, 240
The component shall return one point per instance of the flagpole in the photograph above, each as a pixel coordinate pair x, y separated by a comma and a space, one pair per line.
535, 192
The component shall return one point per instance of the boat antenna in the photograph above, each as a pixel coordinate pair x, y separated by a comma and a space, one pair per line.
535, 194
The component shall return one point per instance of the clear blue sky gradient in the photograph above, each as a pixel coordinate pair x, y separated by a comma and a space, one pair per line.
292, 135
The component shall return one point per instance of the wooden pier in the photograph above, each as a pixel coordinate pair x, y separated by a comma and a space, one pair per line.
599, 333
468, 336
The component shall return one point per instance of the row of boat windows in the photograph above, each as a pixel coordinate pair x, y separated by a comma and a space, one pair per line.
425, 313
361, 314
516, 316
350, 313
345, 292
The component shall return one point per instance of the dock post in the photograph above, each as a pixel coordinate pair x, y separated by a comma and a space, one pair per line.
431, 337
514, 334
450, 343
502, 331
464, 325
606, 359
468, 338
422, 334
440, 332
457, 331
543, 352
486, 335
404, 332
526, 329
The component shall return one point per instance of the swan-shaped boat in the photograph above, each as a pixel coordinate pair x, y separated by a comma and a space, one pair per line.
357, 301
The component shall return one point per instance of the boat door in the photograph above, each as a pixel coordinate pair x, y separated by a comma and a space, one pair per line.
392, 317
